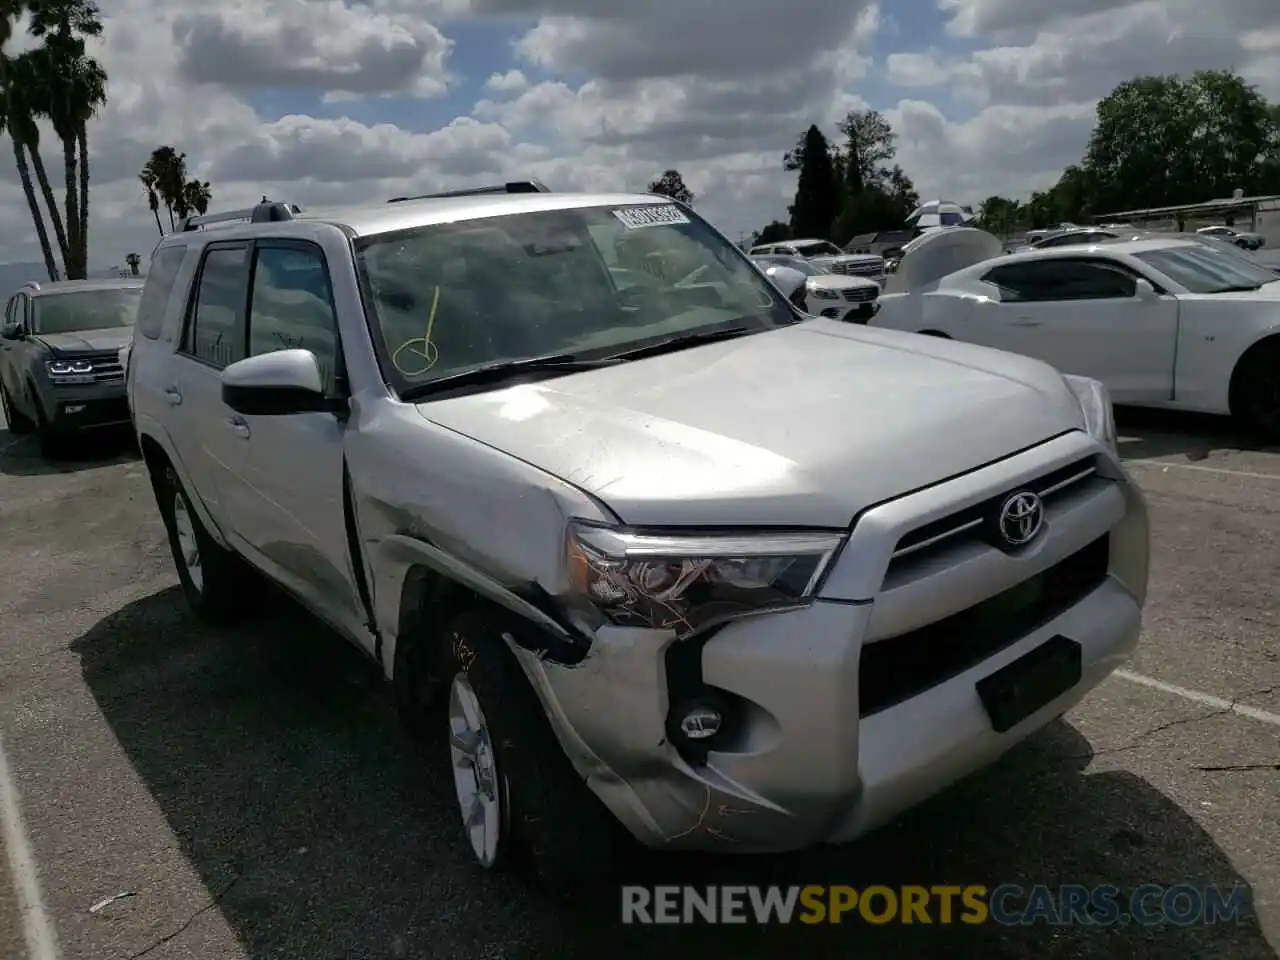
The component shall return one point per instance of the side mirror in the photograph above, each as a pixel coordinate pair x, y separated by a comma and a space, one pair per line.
13, 331
277, 384
1143, 290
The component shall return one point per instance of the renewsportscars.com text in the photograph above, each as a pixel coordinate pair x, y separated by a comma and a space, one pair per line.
1007, 904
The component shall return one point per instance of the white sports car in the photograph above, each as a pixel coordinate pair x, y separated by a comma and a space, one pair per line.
1161, 322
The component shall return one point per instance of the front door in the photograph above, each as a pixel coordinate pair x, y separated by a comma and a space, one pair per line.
285, 492
1083, 316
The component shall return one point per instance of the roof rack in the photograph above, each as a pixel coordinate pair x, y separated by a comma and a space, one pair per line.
513, 186
265, 212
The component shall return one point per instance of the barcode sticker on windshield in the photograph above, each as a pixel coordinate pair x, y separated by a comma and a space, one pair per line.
633, 218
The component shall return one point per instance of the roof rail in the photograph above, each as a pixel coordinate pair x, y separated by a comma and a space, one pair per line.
265, 212
513, 186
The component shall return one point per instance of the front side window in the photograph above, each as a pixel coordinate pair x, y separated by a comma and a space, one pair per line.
291, 306
1048, 280
594, 281
1202, 270
85, 310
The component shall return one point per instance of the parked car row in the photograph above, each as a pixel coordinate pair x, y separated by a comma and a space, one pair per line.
1163, 321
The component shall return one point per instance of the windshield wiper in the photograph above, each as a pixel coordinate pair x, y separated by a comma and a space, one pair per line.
680, 342
503, 370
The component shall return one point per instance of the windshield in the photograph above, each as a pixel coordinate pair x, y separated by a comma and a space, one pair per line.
86, 310
819, 248
1203, 270
794, 263
592, 282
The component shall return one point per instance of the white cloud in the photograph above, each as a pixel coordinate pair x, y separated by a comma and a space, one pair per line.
607, 96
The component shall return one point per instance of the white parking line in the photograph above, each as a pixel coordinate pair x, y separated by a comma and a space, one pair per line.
1249, 474
1207, 699
22, 865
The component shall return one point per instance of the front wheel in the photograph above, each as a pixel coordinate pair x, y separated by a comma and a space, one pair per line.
19, 423
518, 795
1256, 392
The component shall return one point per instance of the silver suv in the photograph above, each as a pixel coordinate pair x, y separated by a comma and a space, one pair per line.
654, 548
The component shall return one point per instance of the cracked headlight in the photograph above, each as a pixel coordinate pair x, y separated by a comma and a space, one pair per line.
68, 368
1095, 405
686, 583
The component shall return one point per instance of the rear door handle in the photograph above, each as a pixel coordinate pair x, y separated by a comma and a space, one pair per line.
173, 396
238, 427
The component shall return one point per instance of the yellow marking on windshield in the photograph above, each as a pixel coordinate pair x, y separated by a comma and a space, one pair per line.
427, 354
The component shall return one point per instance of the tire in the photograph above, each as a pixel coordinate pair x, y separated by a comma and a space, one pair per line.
19, 423
218, 585
548, 820
1256, 391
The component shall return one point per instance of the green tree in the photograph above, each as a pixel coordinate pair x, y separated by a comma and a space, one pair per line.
773, 232
999, 215
150, 181
817, 193
672, 185
166, 172
869, 144
1164, 140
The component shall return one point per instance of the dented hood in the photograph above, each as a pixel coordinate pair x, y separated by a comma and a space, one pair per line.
807, 425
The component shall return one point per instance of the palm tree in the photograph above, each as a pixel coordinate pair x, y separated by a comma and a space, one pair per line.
197, 196
134, 261
75, 86
149, 179
170, 168
24, 175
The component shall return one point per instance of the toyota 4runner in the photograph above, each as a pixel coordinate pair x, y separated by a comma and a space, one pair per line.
663, 553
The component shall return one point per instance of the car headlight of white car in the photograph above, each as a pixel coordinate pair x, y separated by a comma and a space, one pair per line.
687, 583
822, 293
1095, 405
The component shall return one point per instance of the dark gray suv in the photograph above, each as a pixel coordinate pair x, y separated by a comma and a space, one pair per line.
60, 370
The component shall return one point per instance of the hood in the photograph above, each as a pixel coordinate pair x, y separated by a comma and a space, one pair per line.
806, 425
833, 281
86, 341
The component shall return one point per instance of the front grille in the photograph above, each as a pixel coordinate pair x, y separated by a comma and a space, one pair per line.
861, 294
859, 269
896, 669
106, 369
938, 531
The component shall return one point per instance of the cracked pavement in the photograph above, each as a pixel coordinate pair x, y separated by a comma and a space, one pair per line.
248, 794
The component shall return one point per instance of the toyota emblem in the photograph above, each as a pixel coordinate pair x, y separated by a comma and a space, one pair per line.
1021, 517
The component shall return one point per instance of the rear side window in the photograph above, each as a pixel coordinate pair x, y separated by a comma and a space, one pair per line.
215, 328
161, 277
1048, 280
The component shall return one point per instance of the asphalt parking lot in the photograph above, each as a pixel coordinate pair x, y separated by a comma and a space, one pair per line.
248, 793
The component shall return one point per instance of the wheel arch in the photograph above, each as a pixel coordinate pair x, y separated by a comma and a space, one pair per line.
157, 456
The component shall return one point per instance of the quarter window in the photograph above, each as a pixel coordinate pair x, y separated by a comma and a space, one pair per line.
161, 276
215, 334
292, 307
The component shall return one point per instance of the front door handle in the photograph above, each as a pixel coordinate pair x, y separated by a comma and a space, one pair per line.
173, 396
239, 427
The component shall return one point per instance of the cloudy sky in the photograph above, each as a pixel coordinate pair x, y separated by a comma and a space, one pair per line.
317, 101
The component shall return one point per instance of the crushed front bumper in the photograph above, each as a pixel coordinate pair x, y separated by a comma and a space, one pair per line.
816, 750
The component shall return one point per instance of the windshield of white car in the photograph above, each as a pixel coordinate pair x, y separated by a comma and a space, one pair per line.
819, 248
85, 310
585, 283
794, 263
1201, 270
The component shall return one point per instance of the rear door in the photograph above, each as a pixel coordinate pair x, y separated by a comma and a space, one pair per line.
200, 425
1083, 316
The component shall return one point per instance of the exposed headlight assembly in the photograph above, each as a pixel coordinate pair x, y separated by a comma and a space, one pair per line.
687, 583
68, 368
1095, 405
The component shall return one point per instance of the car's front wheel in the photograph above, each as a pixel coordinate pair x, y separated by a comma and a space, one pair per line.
1256, 390
517, 793
218, 585
19, 423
